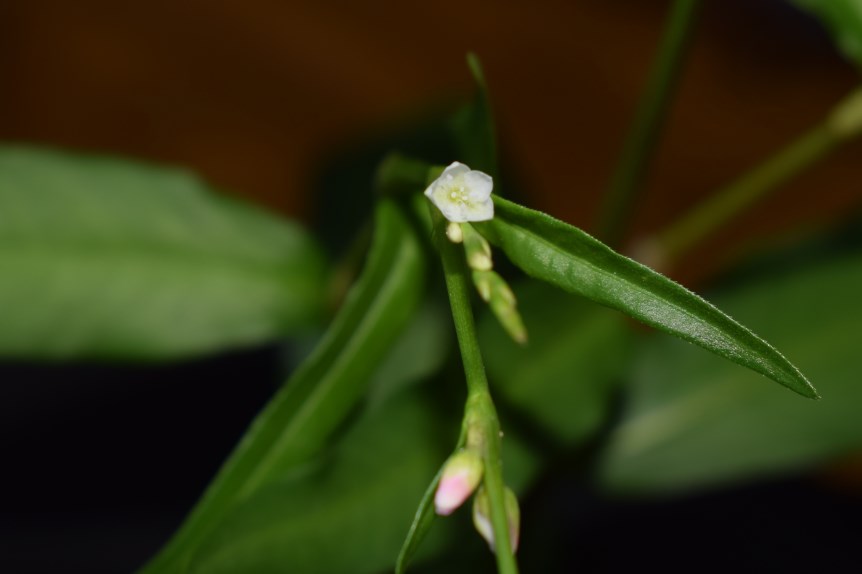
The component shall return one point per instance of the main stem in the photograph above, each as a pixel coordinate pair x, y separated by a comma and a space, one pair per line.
479, 398
639, 146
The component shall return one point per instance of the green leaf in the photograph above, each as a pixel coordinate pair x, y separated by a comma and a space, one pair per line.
473, 126
104, 258
562, 379
693, 421
346, 516
305, 413
417, 354
565, 256
843, 19
423, 519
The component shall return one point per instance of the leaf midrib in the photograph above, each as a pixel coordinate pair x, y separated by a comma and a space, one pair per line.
627, 281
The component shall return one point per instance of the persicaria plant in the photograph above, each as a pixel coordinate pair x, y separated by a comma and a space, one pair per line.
471, 323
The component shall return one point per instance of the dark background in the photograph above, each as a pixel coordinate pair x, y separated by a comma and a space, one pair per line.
100, 462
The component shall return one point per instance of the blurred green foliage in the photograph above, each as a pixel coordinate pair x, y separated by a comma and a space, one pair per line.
103, 258
692, 421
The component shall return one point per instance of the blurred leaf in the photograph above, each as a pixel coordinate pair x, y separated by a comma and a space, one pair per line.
562, 378
347, 516
565, 256
108, 258
305, 413
843, 19
694, 421
417, 354
473, 126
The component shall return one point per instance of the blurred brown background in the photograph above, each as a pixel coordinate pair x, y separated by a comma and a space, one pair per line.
252, 94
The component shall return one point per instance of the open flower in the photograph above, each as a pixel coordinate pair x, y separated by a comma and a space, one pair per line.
462, 194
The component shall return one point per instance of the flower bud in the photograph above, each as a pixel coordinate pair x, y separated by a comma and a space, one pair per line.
482, 518
496, 292
477, 248
461, 475
482, 281
454, 233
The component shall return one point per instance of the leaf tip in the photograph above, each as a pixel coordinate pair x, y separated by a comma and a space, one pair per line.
803, 386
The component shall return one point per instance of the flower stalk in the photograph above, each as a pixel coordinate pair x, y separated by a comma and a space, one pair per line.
480, 414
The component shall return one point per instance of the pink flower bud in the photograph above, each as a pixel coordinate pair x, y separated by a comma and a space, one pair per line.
461, 475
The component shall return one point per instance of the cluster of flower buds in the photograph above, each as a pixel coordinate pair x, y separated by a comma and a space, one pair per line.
464, 195
462, 477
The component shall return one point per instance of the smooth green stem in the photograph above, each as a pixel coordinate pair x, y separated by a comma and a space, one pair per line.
479, 404
639, 146
702, 221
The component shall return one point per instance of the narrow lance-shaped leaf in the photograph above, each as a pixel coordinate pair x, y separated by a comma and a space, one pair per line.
302, 417
107, 258
473, 126
565, 256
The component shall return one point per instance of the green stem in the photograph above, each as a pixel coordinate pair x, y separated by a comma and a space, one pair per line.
479, 400
639, 146
843, 123
702, 221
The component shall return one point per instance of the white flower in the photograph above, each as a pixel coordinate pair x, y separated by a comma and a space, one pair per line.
462, 194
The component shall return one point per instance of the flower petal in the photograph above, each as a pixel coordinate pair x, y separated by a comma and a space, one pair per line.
480, 185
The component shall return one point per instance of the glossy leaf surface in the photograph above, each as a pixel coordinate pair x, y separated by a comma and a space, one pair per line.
104, 258
565, 256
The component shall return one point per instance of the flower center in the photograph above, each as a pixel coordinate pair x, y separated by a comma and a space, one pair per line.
458, 195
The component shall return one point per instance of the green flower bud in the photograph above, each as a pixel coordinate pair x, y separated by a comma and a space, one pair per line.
477, 248
497, 293
482, 518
